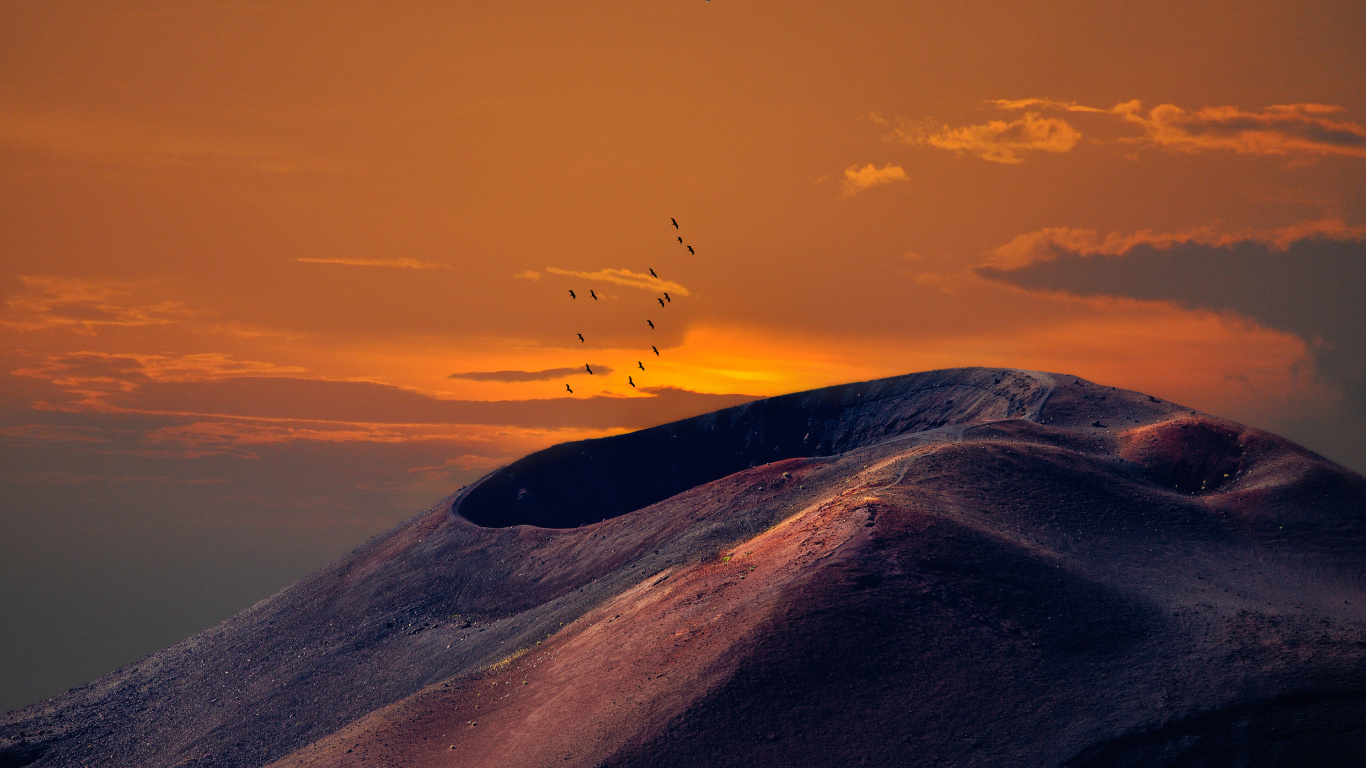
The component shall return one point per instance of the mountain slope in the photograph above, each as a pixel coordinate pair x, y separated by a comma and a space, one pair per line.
956, 567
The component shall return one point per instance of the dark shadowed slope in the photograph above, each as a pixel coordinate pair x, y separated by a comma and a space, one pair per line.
952, 568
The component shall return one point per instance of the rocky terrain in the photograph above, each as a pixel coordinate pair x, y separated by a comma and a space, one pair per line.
962, 567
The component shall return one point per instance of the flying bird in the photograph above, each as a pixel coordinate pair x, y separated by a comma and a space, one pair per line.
675, 221
631, 380
661, 301
680, 241
656, 349
652, 324
690, 250
580, 337
594, 295
590, 370
570, 390
639, 365
652, 274
666, 297
571, 294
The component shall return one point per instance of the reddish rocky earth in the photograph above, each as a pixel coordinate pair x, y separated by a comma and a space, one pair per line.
964, 567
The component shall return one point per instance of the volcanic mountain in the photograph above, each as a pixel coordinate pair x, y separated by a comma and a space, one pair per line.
962, 567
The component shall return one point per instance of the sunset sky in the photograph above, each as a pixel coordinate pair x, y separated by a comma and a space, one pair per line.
276, 276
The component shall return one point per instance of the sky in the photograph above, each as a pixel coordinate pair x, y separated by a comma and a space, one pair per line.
275, 276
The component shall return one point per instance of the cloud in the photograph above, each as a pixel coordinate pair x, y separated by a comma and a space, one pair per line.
83, 306
401, 263
1276, 130
1281, 129
527, 274
1306, 280
1011, 105
516, 376
92, 378
1000, 141
626, 278
857, 179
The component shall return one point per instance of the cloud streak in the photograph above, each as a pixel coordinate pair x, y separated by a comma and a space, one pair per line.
625, 278
401, 263
858, 179
518, 376
83, 306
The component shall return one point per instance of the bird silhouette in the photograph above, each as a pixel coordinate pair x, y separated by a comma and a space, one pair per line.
675, 221
690, 250
652, 324
680, 241
594, 295
570, 390
656, 349
631, 380
666, 297
590, 370
571, 294
580, 337
652, 273
639, 365
661, 301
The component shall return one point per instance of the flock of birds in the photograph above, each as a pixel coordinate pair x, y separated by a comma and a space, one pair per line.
664, 300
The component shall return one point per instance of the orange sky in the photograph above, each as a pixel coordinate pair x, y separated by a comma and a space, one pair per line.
247, 244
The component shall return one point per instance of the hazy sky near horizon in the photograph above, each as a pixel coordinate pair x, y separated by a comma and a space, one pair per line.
278, 275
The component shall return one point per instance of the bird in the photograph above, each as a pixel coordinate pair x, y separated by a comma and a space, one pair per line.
652, 273
680, 241
652, 324
661, 301
590, 370
666, 297
690, 250
580, 337
570, 390
639, 365
631, 380
656, 349
675, 221
571, 294
594, 295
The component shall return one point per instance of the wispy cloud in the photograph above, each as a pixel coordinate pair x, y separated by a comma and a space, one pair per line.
518, 376
401, 263
1276, 130
1000, 141
90, 378
1050, 243
1282, 129
83, 306
857, 179
624, 277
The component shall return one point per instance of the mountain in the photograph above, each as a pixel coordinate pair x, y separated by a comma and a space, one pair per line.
961, 567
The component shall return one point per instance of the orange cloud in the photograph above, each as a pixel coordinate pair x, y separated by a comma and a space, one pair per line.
402, 263
626, 278
999, 141
1046, 244
857, 179
82, 306
91, 377
1276, 130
